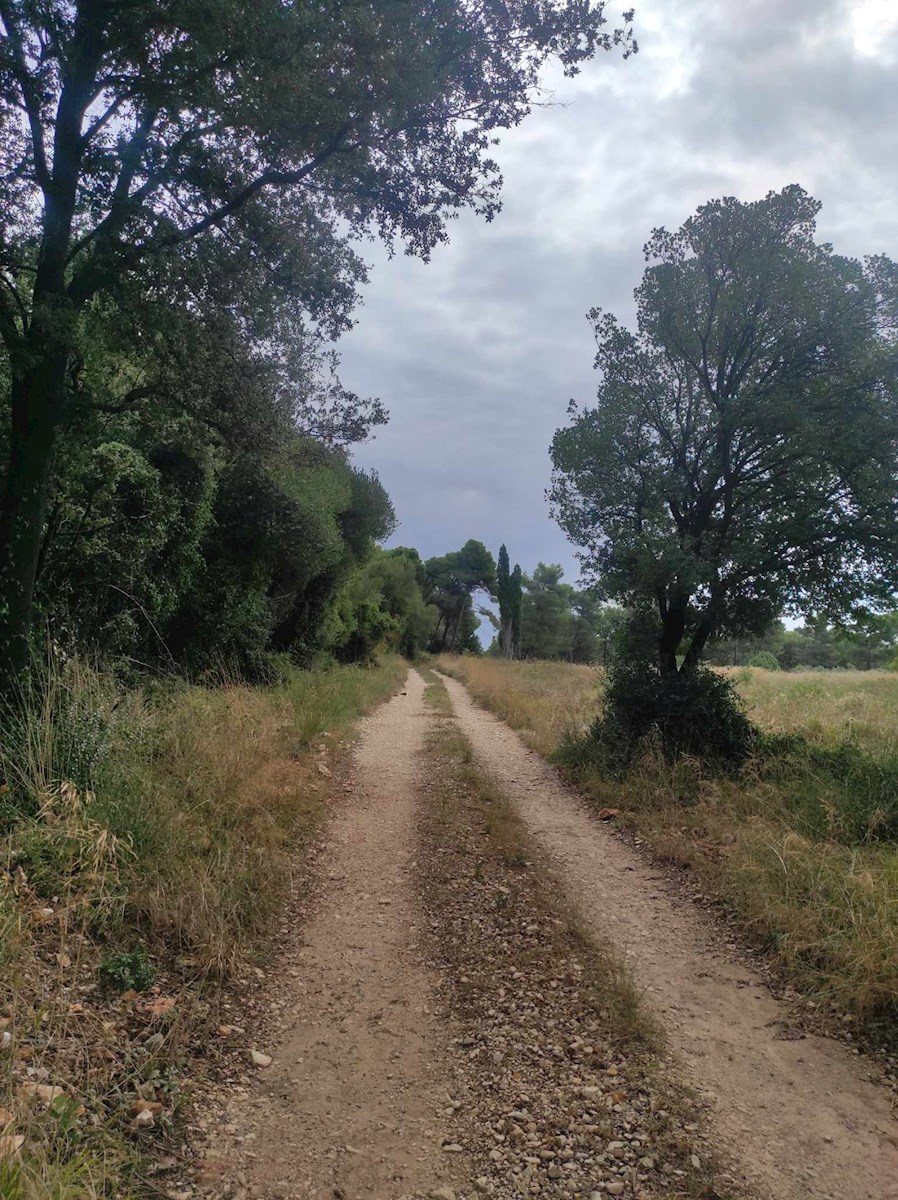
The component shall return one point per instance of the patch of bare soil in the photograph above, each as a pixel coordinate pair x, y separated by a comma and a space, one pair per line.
564, 1094
797, 1114
352, 1101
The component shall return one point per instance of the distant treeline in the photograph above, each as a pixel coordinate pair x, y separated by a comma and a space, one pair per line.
865, 644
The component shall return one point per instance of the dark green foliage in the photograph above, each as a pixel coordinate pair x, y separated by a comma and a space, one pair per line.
243, 550
125, 970
517, 613
452, 581
559, 622
741, 459
764, 659
509, 595
696, 713
837, 792
399, 579
168, 160
867, 642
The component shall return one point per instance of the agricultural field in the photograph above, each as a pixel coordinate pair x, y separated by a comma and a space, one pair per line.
801, 846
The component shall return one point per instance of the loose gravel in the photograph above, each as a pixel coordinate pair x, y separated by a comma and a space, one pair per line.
561, 1091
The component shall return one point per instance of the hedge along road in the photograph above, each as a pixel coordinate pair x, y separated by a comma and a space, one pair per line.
797, 1117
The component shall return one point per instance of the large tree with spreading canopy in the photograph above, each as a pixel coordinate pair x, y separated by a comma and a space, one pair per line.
138, 136
742, 458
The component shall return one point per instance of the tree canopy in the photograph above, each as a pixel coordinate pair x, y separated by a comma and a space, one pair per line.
740, 460
220, 158
453, 580
509, 595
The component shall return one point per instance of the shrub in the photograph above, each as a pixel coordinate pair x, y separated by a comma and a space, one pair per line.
696, 713
765, 660
837, 792
126, 969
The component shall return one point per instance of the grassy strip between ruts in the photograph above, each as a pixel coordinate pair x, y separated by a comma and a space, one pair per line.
564, 1090
783, 844
149, 842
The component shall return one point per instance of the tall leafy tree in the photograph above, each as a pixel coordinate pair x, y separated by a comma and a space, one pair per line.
508, 592
517, 611
137, 135
742, 458
453, 581
547, 620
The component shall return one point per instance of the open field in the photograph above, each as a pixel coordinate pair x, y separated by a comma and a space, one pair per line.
801, 846
826, 706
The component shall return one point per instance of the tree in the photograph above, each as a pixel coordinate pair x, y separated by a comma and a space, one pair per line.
398, 578
741, 459
453, 579
137, 135
594, 626
509, 596
517, 609
546, 621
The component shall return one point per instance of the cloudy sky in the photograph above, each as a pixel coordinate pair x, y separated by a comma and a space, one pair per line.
477, 353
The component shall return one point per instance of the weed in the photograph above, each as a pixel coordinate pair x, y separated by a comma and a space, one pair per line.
126, 970
151, 824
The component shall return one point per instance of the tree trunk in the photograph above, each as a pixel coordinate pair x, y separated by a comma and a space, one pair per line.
455, 627
505, 640
693, 655
36, 413
673, 626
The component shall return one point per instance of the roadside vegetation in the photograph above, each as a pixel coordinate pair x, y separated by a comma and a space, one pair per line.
801, 844
150, 837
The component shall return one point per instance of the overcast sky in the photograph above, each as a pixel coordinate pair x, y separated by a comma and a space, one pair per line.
477, 353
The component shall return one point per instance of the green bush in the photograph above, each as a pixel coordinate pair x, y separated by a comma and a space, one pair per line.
697, 713
837, 792
765, 660
127, 969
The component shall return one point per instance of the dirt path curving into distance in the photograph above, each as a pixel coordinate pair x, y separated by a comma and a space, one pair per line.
350, 1106
798, 1116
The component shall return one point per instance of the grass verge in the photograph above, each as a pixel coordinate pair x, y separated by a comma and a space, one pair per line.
800, 847
148, 840
544, 701
560, 1062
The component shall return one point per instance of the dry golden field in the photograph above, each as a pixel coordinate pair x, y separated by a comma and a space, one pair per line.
543, 700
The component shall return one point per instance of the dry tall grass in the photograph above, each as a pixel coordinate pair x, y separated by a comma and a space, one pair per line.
828, 706
145, 836
784, 844
544, 701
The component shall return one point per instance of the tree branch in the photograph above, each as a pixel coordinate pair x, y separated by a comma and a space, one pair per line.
30, 98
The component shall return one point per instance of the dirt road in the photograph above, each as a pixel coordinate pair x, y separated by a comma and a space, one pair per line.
351, 1105
798, 1116
359, 1095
